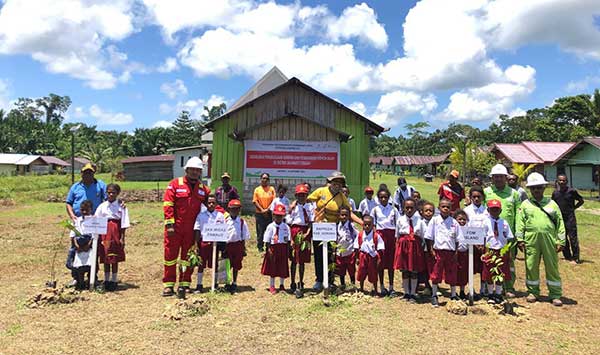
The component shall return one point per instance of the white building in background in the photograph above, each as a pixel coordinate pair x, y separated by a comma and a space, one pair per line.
183, 154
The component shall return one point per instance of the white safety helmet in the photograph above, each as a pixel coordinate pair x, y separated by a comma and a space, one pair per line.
499, 169
536, 179
194, 162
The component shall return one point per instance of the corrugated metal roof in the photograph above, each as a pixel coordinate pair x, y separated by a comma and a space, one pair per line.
54, 160
8, 158
82, 160
28, 159
149, 158
407, 160
593, 141
549, 151
272, 79
381, 160
518, 153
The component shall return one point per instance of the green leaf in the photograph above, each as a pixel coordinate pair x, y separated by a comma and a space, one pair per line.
68, 225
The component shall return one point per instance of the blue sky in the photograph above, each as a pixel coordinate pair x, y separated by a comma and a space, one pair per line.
397, 62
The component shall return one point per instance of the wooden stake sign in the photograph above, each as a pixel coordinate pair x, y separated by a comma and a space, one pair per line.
325, 232
472, 236
94, 226
214, 232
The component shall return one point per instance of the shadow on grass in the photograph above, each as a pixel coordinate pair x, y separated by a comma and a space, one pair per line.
124, 286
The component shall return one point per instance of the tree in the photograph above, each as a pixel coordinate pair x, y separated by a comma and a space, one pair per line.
522, 170
55, 107
416, 131
213, 112
186, 131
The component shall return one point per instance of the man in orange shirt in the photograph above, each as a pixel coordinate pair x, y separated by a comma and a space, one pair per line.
262, 198
452, 190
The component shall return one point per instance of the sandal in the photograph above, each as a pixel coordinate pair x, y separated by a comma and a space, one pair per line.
168, 292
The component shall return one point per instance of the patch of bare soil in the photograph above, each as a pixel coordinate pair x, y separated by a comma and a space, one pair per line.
180, 309
52, 296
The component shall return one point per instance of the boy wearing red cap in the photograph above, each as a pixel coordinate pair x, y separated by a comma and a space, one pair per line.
300, 218
494, 241
238, 233
366, 206
277, 237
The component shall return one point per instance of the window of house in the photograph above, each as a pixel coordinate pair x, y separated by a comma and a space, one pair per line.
595, 173
182, 161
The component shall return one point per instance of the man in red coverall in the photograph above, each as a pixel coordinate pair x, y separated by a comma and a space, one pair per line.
182, 202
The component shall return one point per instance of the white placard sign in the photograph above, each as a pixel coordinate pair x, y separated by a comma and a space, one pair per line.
474, 235
83, 258
324, 232
214, 232
95, 225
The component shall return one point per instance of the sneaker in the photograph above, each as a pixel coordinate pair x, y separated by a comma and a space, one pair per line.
168, 292
463, 296
492, 299
406, 297
557, 302
272, 290
106, 286
412, 299
578, 261
301, 286
281, 288
434, 301
233, 288
499, 299
73, 283
293, 286
509, 294
476, 297
454, 298
393, 293
318, 286
187, 289
198, 289
298, 293
531, 298
384, 292
426, 291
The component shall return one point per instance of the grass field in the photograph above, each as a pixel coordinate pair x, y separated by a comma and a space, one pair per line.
131, 321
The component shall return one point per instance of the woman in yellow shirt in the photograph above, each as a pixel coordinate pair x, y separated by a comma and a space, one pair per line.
262, 198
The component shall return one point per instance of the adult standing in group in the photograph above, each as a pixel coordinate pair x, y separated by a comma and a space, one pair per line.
262, 198
328, 199
403, 192
511, 201
452, 190
88, 188
183, 201
513, 181
540, 233
568, 199
226, 192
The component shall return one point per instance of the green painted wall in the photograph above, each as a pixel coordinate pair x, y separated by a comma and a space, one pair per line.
354, 155
580, 166
228, 154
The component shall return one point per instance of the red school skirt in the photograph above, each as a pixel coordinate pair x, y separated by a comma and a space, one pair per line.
462, 272
110, 249
445, 268
389, 240
299, 256
409, 254
345, 264
486, 273
275, 262
367, 267
205, 253
235, 253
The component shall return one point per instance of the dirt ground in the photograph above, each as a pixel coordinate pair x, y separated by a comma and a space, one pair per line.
132, 319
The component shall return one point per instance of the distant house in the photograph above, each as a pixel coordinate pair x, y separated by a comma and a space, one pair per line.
19, 164
79, 163
542, 154
382, 163
581, 164
409, 162
148, 168
183, 154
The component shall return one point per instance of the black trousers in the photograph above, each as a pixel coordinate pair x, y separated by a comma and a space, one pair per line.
318, 254
571, 249
262, 221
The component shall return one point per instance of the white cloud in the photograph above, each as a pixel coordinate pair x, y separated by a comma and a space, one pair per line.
168, 66
583, 85
4, 96
174, 89
162, 123
79, 112
69, 37
396, 105
358, 107
194, 106
109, 118
359, 21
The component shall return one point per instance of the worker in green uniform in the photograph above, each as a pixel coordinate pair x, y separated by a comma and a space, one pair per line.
540, 234
511, 201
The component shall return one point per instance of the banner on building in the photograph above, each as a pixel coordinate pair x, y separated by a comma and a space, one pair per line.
291, 159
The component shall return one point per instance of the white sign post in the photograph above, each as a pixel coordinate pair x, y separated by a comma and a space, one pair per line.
472, 236
325, 232
215, 232
94, 226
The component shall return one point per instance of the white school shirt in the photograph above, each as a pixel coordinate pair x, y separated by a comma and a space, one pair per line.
406, 194
385, 217
346, 234
403, 227
235, 231
114, 210
284, 233
504, 234
352, 204
366, 206
207, 217
445, 233
296, 216
368, 246
478, 216
78, 224
280, 201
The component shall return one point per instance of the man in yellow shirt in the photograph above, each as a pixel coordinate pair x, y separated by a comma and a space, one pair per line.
262, 198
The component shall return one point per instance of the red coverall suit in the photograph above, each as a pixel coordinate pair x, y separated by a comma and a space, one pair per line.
181, 206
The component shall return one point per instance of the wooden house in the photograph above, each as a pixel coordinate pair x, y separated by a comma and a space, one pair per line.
148, 168
295, 133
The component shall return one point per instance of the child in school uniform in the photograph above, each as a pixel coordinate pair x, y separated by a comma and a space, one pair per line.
369, 246
385, 216
442, 236
426, 211
81, 243
478, 217
462, 259
277, 237
281, 199
346, 192
208, 216
495, 241
300, 218
238, 233
410, 257
111, 249
366, 206
345, 258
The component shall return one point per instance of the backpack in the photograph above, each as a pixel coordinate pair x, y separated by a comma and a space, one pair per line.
360, 239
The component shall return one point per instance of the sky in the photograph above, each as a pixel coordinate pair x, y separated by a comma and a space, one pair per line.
137, 63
